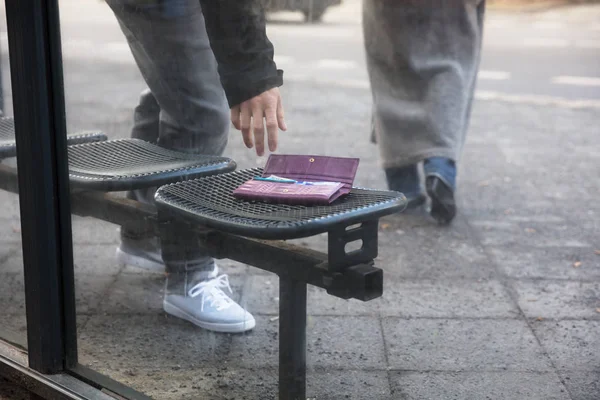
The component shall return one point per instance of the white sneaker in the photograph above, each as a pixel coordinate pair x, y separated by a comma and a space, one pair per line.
143, 254
208, 306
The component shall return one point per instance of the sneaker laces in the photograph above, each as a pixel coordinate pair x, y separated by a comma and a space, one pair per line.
210, 290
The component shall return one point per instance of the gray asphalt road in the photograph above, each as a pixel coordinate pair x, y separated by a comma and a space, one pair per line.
554, 53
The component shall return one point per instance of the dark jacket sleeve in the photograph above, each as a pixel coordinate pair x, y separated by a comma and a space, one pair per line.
238, 37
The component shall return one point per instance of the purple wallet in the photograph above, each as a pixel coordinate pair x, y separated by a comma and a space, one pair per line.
303, 168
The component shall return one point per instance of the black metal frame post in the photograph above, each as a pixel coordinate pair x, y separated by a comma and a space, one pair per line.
292, 339
39, 112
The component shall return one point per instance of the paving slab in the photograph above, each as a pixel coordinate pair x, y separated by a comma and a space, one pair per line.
332, 342
175, 383
446, 299
559, 299
89, 292
10, 232
227, 382
444, 252
8, 251
88, 259
149, 341
12, 263
12, 294
10, 203
578, 263
132, 293
477, 385
582, 385
13, 329
88, 231
463, 345
504, 232
95, 259
348, 384
572, 345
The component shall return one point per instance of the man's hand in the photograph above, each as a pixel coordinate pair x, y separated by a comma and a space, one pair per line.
248, 117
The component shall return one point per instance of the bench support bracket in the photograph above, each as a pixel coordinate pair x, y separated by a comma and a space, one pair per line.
292, 339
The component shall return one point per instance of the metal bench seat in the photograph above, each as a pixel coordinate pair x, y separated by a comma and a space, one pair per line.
236, 227
8, 144
98, 164
129, 164
210, 202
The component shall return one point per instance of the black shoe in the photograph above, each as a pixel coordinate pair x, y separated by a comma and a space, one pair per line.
443, 206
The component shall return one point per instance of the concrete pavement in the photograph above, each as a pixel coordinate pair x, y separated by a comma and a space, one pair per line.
503, 304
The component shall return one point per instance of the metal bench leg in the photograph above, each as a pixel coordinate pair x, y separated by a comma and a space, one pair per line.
292, 339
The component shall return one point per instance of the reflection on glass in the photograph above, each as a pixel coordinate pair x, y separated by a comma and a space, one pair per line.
134, 326
123, 331
13, 325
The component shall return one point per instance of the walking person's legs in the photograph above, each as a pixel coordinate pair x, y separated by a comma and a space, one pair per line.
423, 57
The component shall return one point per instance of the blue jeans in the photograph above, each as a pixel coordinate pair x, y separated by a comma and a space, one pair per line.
443, 168
184, 107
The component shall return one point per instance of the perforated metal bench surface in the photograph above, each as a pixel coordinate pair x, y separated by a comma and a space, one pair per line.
129, 164
8, 144
210, 202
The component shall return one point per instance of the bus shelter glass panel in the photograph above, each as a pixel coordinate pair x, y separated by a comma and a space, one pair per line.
124, 332
13, 325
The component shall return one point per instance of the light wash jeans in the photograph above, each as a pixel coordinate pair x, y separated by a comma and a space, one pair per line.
184, 109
